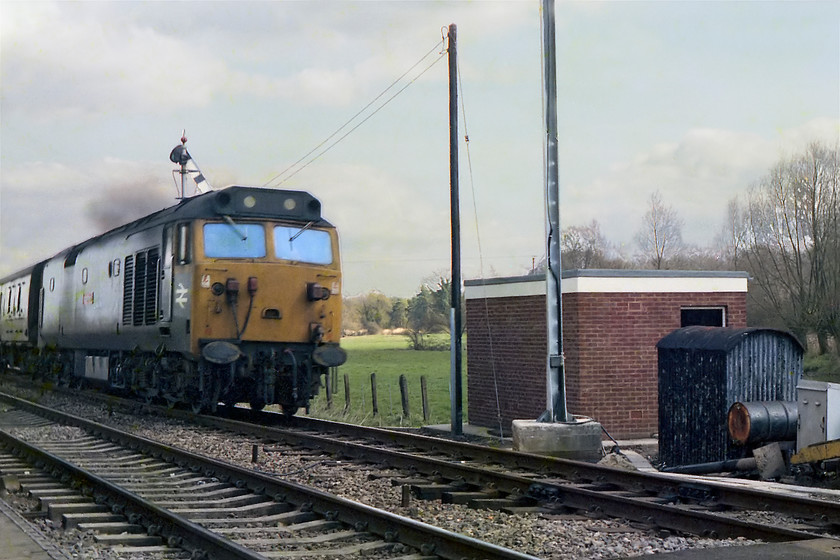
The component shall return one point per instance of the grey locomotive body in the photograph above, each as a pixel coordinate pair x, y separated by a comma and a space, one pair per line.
227, 296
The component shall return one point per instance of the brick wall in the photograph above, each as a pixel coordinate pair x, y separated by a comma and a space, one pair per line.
609, 341
506, 350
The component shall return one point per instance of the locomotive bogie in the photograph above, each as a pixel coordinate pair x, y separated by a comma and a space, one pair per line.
230, 296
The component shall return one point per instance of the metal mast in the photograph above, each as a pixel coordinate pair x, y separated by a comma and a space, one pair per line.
555, 374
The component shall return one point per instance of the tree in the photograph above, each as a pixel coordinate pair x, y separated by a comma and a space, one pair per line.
731, 241
399, 313
793, 243
369, 312
375, 311
660, 237
428, 312
583, 246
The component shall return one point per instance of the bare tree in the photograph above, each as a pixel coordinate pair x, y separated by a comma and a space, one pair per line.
793, 243
660, 237
731, 241
583, 246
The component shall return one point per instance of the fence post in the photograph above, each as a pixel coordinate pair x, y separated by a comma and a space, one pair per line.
373, 393
404, 395
330, 387
346, 393
424, 395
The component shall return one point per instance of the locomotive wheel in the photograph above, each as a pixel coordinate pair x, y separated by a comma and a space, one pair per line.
256, 405
289, 410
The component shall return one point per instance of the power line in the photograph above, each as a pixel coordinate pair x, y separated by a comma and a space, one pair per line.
271, 182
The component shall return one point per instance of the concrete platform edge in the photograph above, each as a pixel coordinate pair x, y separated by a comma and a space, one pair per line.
32, 533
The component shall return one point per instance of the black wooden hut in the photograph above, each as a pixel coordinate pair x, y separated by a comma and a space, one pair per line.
703, 371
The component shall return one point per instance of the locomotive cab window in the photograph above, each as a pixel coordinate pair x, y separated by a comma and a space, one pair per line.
311, 246
234, 241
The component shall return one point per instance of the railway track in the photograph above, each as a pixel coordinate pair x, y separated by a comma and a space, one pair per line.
486, 477
127, 485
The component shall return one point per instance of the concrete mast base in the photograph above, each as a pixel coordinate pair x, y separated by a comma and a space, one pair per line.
579, 440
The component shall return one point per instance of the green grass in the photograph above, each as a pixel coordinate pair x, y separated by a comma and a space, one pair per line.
389, 357
825, 367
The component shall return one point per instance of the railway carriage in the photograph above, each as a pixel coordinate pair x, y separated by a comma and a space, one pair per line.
230, 296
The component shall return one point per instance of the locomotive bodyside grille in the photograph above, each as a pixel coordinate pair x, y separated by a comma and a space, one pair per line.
140, 288
128, 290
151, 286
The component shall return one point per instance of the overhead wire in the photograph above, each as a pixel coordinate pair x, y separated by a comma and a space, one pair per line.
480, 255
271, 182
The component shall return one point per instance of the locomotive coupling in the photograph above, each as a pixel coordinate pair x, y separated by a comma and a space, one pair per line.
316, 332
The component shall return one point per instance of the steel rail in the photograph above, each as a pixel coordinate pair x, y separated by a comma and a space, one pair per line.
669, 488
177, 530
652, 491
669, 485
391, 527
613, 503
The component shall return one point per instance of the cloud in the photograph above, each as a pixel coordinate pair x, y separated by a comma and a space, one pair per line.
59, 63
47, 207
69, 60
697, 175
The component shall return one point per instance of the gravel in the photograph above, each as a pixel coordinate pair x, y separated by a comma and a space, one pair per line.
542, 535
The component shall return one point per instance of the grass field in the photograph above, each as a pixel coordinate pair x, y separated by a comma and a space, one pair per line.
389, 357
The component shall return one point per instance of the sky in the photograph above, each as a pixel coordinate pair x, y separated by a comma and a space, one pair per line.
696, 100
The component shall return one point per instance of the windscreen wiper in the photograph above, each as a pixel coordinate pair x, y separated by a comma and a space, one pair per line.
304, 228
235, 227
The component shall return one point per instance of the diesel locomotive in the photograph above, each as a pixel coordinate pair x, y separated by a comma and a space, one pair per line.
229, 296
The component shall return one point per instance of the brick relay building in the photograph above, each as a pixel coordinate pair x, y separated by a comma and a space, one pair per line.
612, 320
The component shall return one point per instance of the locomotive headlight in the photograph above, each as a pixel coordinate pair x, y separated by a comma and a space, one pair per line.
316, 292
289, 204
249, 201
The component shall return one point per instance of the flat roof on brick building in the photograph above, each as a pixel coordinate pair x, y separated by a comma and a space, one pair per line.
611, 281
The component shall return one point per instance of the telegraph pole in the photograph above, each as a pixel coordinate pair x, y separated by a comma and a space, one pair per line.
455, 390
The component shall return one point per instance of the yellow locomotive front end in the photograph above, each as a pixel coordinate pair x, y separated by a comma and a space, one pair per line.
266, 304
256, 285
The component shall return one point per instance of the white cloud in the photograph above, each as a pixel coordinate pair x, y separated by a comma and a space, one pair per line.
77, 60
651, 97
57, 63
47, 207
697, 175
